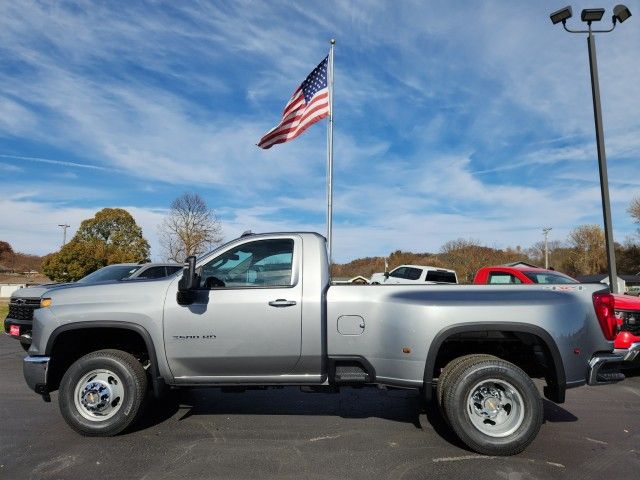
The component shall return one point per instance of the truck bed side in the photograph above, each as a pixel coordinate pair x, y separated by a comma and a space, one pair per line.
402, 325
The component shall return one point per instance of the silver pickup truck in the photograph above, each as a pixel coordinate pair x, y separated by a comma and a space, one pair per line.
261, 311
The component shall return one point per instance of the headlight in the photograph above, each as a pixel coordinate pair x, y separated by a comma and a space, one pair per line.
45, 302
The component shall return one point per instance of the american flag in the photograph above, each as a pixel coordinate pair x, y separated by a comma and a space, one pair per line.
309, 104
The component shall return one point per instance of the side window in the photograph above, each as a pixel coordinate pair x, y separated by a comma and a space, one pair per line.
153, 272
413, 273
399, 272
263, 263
441, 276
500, 278
172, 270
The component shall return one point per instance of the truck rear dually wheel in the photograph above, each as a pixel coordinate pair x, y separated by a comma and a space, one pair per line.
493, 406
101, 393
449, 372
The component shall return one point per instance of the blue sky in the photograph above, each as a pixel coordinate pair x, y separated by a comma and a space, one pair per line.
449, 121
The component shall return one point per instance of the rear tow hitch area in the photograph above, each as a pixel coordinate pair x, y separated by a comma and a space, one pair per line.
604, 368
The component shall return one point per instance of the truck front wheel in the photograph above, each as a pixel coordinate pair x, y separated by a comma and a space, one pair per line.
493, 407
101, 393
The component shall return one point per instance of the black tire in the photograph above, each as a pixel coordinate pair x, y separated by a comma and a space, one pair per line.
133, 385
459, 413
448, 372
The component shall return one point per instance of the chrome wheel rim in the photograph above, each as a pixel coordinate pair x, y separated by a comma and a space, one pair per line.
99, 395
495, 407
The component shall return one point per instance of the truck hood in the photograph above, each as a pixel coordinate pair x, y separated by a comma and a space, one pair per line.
36, 291
377, 277
626, 302
78, 299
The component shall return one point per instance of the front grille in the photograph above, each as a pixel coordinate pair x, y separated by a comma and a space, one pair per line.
22, 308
630, 321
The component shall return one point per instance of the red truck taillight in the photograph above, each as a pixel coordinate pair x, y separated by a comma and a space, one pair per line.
603, 302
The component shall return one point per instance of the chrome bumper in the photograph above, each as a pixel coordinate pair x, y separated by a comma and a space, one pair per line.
35, 373
604, 368
629, 354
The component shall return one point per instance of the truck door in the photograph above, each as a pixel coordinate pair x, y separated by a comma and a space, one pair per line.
246, 320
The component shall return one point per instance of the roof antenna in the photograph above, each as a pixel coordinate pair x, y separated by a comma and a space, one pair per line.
246, 233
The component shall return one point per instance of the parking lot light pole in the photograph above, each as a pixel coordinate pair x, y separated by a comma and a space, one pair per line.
602, 164
590, 15
545, 232
64, 227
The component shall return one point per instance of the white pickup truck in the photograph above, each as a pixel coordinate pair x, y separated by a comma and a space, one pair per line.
414, 274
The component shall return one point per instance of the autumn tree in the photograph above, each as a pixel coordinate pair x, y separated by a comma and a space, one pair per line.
190, 228
111, 236
6, 254
75, 260
587, 251
628, 258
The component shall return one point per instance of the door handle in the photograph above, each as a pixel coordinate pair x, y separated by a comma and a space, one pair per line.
281, 302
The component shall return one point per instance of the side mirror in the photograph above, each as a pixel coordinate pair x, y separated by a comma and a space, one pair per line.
188, 283
386, 274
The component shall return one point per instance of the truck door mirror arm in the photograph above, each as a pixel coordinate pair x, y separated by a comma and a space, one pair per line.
189, 282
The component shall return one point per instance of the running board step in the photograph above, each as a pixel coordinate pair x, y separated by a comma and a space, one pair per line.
613, 377
351, 374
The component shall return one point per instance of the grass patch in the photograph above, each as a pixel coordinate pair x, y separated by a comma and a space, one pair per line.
4, 309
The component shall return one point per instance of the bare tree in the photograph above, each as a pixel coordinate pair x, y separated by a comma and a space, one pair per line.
536, 252
190, 228
634, 209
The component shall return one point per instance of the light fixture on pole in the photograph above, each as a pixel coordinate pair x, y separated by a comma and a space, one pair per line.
590, 15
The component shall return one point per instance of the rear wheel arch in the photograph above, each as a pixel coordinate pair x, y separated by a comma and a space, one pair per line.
556, 381
89, 328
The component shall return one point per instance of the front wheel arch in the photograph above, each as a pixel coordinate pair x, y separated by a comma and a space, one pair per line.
89, 328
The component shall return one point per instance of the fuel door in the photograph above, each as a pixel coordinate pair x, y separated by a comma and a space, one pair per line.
350, 325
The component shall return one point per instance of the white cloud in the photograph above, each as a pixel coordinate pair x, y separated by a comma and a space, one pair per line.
32, 227
178, 94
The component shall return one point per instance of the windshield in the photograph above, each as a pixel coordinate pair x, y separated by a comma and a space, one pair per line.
112, 272
553, 278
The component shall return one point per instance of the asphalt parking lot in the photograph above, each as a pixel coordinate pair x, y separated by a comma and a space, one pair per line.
359, 433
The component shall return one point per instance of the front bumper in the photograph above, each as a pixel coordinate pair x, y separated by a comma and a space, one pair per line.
24, 326
629, 354
35, 373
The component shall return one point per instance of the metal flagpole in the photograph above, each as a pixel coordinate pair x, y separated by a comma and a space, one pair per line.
330, 154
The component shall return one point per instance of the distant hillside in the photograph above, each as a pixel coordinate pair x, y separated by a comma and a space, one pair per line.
463, 256
369, 265
14, 263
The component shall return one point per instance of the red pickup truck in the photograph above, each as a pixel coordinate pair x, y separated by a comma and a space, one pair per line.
626, 308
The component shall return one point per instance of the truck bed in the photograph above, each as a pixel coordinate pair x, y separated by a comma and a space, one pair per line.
395, 327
